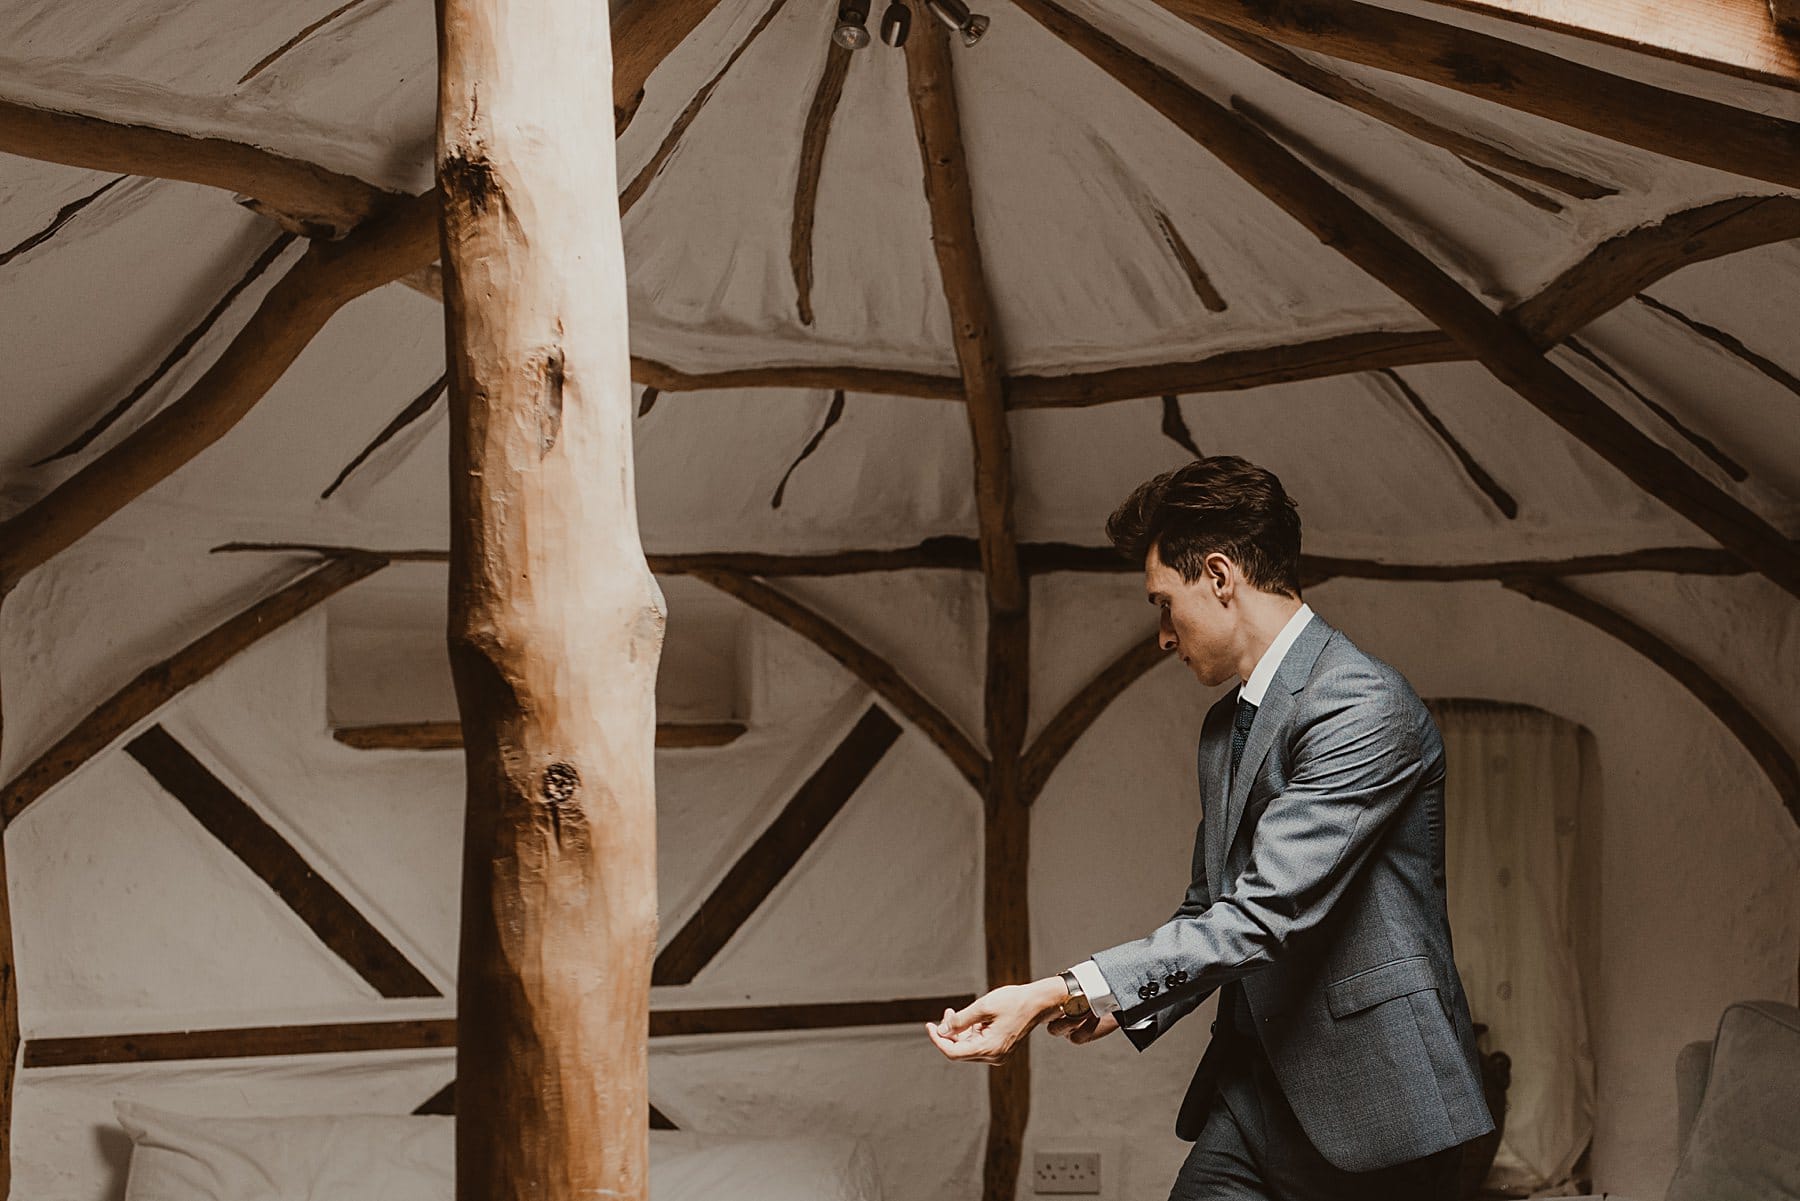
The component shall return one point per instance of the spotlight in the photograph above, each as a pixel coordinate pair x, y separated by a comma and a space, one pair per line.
896, 22
852, 32
956, 15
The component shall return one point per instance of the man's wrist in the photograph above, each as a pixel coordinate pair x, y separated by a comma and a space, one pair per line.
1050, 994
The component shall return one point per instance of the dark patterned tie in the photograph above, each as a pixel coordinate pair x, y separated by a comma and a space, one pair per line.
1240, 733
1234, 1011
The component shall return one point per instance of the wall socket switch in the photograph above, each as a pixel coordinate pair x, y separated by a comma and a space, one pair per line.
1065, 1172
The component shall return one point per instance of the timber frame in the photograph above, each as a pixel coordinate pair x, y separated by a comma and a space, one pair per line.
359, 237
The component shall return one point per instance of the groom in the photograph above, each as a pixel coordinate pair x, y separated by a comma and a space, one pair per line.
1342, 1063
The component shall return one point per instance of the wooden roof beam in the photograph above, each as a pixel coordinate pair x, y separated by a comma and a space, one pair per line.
1731, 37
931, 88
1506, 73
299, 194
1500, 345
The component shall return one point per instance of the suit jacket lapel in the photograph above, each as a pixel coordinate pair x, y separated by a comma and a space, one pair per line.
1271, 715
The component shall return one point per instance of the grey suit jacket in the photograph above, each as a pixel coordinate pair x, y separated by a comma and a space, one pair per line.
1319, 882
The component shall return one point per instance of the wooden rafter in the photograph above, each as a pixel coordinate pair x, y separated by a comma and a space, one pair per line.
268, 60
1064, 730
1473, 150
447, 735
776, 851
331, 917
1733, 37
299, 193
160, 683
951, 553
424, 1034
1726, 342
443, 1103
1687, 433
862, 662
1499, 497
931, 88
640, 183
415, 409
644, 32
1175, 427
1198, 280
9, 1026
1497, 342
60, 218
876, 380
1770, 753
327, 277
1516, 76
812, 163
176, 354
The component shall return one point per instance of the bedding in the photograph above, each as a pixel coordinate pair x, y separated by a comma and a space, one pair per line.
375, 1157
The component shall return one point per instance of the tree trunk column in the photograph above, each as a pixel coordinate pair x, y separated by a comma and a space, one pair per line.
555, 622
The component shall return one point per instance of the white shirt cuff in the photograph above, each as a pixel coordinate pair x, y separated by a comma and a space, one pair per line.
1099, 992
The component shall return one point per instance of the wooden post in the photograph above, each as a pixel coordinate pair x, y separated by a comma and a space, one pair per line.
9, 999
555, 621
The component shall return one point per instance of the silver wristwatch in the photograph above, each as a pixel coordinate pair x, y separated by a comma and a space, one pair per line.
1077, 1004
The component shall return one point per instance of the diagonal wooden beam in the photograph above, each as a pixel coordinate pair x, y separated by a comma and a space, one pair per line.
268, 60
60, 218
812, 164
327, 912
776, 851
1731, 37
1669, 123
931, 89
1332, 86
9, 1026
161, 682
422, 1034
300, 193
327, 277
1064, 730
1498, 343
1776, 761
863, 663
1687, 433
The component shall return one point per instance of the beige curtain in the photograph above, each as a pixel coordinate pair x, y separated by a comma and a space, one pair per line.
1512, 801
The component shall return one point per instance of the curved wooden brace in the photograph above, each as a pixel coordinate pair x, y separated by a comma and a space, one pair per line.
162, 682
1064, 730
863, 663
1770, 754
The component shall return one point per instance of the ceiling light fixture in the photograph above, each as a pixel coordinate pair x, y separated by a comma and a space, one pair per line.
852, 32
956, 15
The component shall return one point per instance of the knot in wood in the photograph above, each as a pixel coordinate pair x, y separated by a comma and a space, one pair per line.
561, 782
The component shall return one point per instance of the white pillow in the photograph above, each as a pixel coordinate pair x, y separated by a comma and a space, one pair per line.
356, 1157
376, 1157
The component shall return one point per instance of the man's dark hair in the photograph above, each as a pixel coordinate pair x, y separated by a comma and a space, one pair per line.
1221, 503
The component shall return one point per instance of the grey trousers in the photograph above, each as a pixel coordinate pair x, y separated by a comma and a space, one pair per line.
1251, 1148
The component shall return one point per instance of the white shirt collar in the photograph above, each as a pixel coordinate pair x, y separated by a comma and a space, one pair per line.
1270, 663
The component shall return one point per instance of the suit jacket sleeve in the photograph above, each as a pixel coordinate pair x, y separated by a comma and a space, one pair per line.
1355, 759
1192, 906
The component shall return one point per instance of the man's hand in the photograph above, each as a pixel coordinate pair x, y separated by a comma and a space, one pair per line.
988, 1030
1084, 1029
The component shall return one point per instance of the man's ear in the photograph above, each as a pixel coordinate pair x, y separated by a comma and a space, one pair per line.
1217, 574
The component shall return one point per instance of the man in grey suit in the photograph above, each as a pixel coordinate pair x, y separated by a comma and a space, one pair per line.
1343, 1063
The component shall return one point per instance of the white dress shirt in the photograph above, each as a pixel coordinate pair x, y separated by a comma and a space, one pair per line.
1093, 983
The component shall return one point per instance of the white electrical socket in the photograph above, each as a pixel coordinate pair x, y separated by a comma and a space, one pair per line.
1065, 1172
